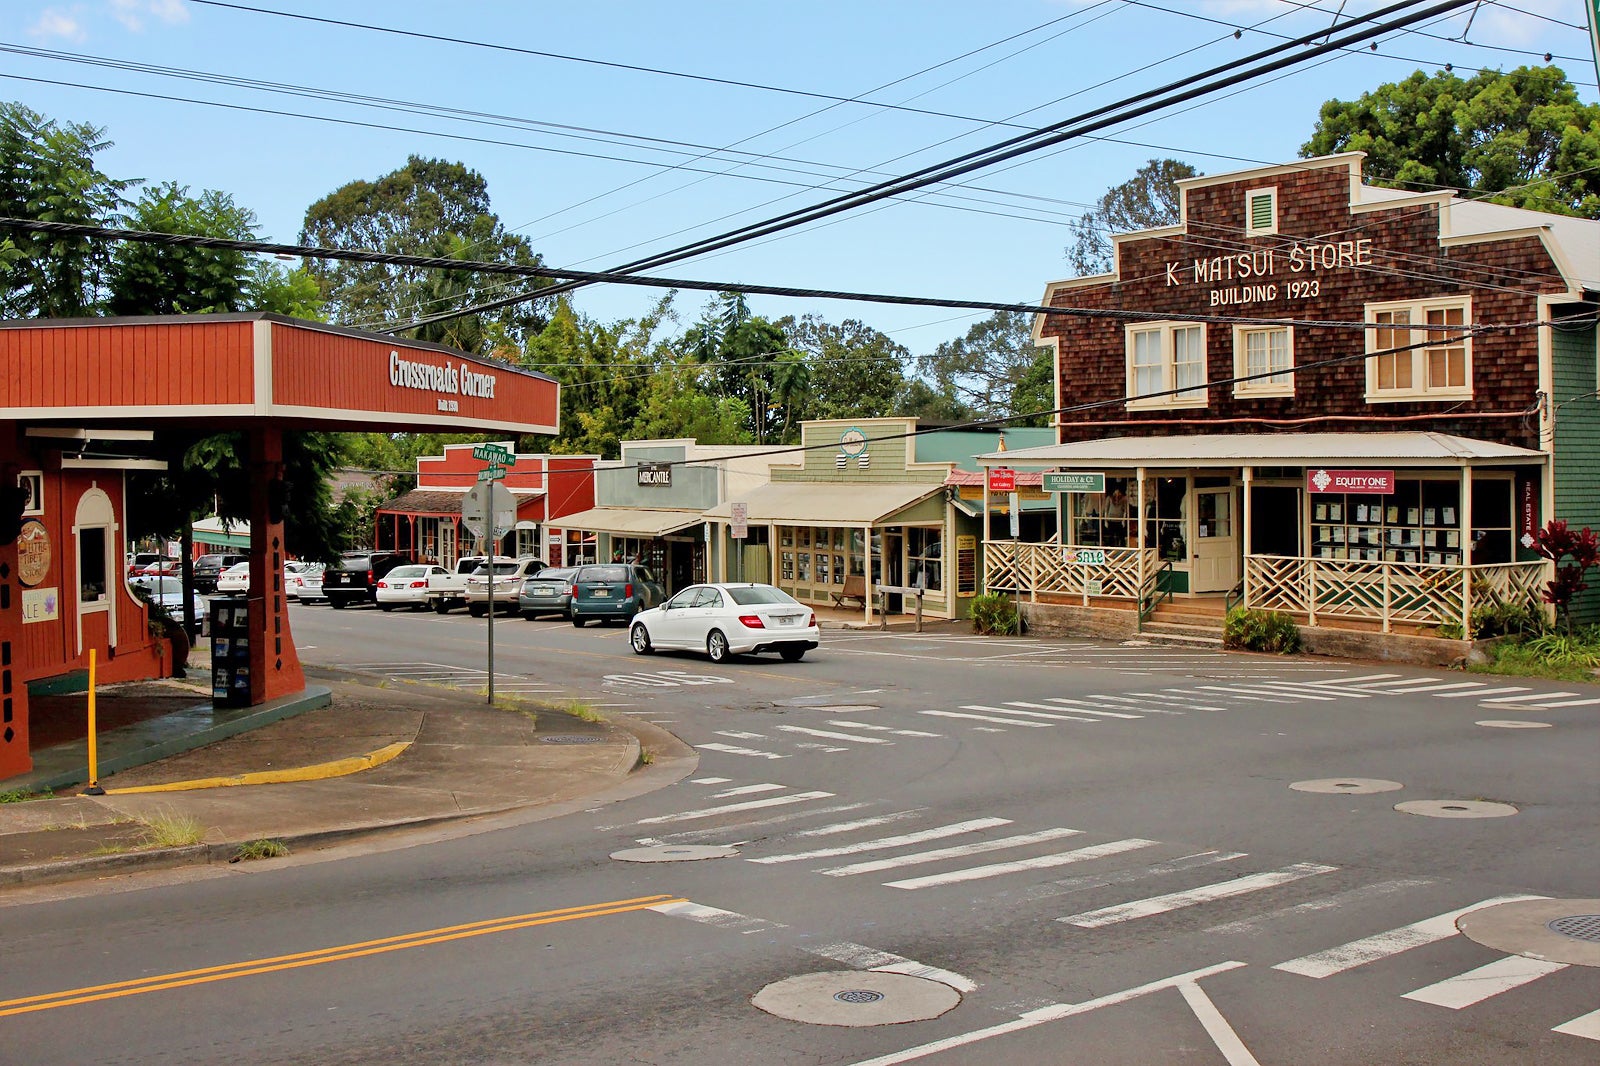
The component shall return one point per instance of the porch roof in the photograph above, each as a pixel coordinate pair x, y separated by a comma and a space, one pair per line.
629, 521
442, 501
1271, 449
829, 503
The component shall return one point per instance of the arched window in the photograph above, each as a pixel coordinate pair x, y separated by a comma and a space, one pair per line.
94, 534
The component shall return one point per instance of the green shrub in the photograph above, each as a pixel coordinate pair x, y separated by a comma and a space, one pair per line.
994, 613
1555, 656
1253, 630
1506, 619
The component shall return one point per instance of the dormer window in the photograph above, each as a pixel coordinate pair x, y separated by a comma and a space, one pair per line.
1261, 212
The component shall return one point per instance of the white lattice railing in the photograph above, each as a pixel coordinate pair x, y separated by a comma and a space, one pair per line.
1032, 569
1386, 593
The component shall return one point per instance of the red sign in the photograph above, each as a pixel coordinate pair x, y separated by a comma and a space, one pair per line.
1002, 479
1374, 482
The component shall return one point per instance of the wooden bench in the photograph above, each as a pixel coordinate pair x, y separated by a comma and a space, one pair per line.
855, 588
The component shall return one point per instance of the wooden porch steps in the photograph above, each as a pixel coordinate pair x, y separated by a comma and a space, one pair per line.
1196, 622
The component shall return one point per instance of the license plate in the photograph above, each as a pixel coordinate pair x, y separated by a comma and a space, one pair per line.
785, 620
602, 594
544, 592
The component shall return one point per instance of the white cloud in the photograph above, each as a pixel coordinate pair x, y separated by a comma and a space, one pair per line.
55, 23
133, 13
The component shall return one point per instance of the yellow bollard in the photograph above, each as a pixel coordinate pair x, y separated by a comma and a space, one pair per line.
94, 788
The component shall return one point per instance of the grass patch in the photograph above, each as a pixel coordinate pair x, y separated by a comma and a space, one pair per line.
260, 849
581, 710
168, 829
646, 756
20, 795
1554, 656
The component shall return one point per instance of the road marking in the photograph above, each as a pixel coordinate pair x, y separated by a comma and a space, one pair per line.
960, 851
828, 734
1028, 714
1588, 1026
1045, 1015
1245, 694
1573, 703
1239, 886
1383, 888
864, 823
341, 953
1390, 942
729, 749
1481, 692
746, 790
1531, 697
719, 834
1052, 707
710, 780
734, 808
937, 833
1216, 1026
1475, 986
883, 729
1114, 700
730, 920
1300, 687
987, 718
1042, 862
739, 734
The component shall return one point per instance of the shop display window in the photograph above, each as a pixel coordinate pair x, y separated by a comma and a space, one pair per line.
925, 553
1419, 524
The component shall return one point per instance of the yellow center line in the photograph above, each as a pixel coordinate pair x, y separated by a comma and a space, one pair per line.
229, 971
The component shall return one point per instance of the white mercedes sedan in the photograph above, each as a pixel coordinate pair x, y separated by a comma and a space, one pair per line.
727, 620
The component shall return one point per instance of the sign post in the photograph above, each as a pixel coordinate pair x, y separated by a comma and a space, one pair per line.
489, 511
740, 531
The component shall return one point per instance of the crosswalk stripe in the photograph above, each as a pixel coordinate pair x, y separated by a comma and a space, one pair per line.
937, 833
1027, 714
734, 808
1144, 908
1390, 942
1050, 707
738, 734
860, 957
1444, 686
1475, 986
1181, 697
883, 729
828, 734
1587, 1026
1362, 894
1364, 679
697, 912
1531, 697
731, 749
1299, 688
719, 834
1246, 694
960, 851
1574, 703
1481, 692
1101, 701
988, 718
746, 790
861, 823
1041, 862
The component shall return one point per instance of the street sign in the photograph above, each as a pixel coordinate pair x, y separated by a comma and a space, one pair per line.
494, 453
741, 521
492, 473
495, 497
1002, 479
1062, 481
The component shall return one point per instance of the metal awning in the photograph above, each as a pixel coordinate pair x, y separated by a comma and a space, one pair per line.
1270, 449
825, 503
629, 521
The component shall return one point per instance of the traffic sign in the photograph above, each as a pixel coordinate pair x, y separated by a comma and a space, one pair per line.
1065, 481
494, 453
741, 521
492, 473
489, 496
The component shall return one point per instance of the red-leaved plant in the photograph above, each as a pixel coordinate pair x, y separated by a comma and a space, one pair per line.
1581, 550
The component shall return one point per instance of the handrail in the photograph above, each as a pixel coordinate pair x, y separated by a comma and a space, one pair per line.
1234, 597
1148, 605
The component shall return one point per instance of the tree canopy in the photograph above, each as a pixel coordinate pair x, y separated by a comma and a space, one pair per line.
994, 370
1521, 138
1144, 201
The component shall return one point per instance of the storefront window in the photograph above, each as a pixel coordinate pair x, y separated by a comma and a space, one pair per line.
1166, 510
925, 553
858, 555
1104, 518
1419, 523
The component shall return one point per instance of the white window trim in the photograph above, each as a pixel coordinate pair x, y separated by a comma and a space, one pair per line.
1419, 368
1241, 365
1249, 217
1199, 396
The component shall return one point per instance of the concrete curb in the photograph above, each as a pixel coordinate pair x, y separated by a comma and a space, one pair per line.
315, 772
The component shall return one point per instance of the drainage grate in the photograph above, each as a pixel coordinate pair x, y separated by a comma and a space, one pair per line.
570, 738
1577, 926
858, 995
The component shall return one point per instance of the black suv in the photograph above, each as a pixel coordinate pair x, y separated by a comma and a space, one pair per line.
355, 579
207, 567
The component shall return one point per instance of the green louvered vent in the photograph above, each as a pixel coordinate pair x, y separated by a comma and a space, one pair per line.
1261, 212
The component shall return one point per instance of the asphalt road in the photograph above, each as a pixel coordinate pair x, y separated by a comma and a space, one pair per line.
926, 848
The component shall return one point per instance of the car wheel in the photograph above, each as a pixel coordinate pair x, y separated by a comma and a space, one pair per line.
530, 615
477, 610
578, 621
385, 607
337, 605
792, 655
639, 638
441, 606
717, 647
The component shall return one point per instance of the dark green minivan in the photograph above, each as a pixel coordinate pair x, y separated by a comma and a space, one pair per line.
613, 590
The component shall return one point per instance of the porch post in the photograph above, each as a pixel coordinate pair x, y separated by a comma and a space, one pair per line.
1465, 517
1247, 475
866, 564
1138, 534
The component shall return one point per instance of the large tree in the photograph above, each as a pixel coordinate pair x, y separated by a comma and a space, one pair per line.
429, 207
1144, 201
993, 369
852, 370
1521, 138
751, 361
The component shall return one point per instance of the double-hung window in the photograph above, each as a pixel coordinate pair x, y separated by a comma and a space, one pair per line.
1166, 365
1436, 360
1263, 360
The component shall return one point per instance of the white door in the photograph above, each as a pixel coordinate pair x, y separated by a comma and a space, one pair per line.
1214, 563
447, 544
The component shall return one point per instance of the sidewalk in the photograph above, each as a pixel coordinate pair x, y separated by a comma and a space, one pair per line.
353, 758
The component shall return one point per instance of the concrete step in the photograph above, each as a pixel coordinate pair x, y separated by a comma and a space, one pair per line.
1206, 636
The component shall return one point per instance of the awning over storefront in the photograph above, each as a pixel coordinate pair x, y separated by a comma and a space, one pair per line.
823, 503
1270, 449
442, 501
629, 521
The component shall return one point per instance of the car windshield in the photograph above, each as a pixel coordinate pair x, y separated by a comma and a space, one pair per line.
605, 573
759, 594
209, 560
163, 586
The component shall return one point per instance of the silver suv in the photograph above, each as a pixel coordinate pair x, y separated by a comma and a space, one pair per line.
508, 576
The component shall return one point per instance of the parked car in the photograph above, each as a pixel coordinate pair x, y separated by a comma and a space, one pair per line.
547, 592
407, 586
235, 578
355, 579
208, 567
137, 561
160, 567
508, 577
613, 590
303, 581
449, 589
728, 620
167, 592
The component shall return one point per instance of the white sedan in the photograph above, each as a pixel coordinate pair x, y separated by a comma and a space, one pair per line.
407, 586
727, 620
235, 578
302, 581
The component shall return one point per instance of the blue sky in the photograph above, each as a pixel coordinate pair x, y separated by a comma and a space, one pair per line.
933, 77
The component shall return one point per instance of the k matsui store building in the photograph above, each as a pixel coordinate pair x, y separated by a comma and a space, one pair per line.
77, 396
1348, 403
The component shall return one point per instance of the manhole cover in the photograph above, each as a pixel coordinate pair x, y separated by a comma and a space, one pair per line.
570, 738
858, 995
1347, 786
675, 853
856, 998
1585, 927
1456, 808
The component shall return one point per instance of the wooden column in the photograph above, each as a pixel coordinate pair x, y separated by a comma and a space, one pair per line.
274, 663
